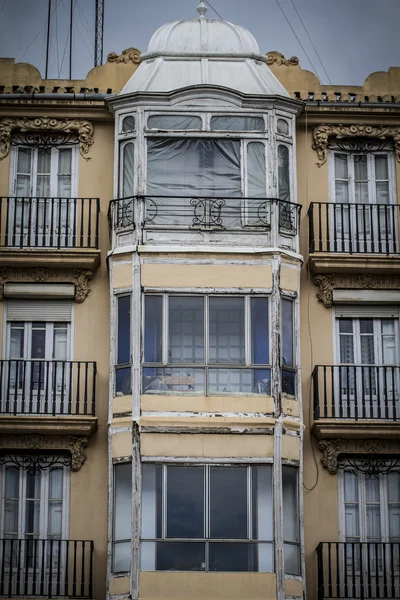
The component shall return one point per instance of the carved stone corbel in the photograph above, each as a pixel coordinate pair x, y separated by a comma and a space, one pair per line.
276, 57
330, 282
79, 277
323, 132
127, 55
82, 128
335, 451
326, 284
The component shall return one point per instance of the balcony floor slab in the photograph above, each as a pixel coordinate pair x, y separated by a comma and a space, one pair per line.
329, 262
80, 425
79, 258
352, 429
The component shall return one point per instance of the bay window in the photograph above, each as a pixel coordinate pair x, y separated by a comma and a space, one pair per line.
123, 354
207, 518
122, 517
291, 523
288, 361
206, 344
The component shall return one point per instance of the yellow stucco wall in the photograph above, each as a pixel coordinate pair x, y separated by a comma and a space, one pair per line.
212, 404
212, 276
122, 275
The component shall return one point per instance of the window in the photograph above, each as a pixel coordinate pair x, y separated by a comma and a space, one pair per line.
174, 122
122, 517
207, 518
370, 514
291, 528
128, 124
206, 344
44, 180
364, 192
123, 363
237, 123
367, 383
288, 363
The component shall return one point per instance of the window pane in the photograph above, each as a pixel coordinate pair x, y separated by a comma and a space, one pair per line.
256, 180
175, 122
350, 487
186, 329
185, 502
122, 501
259, 331
283, 173
292, 559
290, 520
346, 325
128, 124
262, 516
283, 127
124, 330
225, 556
122, 557
128, 170
153, 329
173, 556
228, 519
11, 482
393, 484
164, 379
287, 333
245, 381
228, 123
64, 172
226, 330
151, 501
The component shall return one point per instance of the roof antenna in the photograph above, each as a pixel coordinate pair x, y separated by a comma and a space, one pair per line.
202, 9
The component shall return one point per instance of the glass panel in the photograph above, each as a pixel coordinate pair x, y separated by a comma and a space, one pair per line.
56, 480
23, 172
225, 556
228, 519
361, 179
341, 173
124, 330
262, 515
245, 381
185, 502
226, 330
153, 329
123, 381
259, 331
171, 379
292, 559
11, 489
256, 179
393, 486
290, 510
128, 124
394, 522
350, 487
122, 557
287, 333
382, 197
230, 123
381, 168
373, 522
346, 349
64, 172
346, 325
33, 485
186, 329
283, 173
367, 350
175, 122
342, 194
11, 516
283, 126
43, 172
32, 508
366, 326
60, 340
16, 341
288, 382
38, 341
122, 501
151, 501
372, 493
128, 170
173, 556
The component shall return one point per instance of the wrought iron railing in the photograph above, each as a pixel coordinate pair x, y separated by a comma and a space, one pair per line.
354, 228
356, 392
27, 222
47, 387
183, 212
46, 568
358, 570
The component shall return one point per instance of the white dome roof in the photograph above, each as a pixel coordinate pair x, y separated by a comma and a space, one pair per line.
203, 36
203, 52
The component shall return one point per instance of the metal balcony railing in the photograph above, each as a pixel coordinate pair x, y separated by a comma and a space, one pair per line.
358, 570
356, 392
46, 568
188, 212
354, 228
27, 222
47, 387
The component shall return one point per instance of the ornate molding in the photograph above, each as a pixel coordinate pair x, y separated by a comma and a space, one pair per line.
279, 59
371, 454
82, 128
328, 283
45, 448
80, 278
127, 55
323, 132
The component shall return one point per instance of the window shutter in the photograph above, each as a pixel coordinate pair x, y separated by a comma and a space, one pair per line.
367, 311
39, 310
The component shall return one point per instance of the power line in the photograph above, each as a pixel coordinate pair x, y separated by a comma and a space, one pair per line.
37, 35
295, 34
212, 8
312, 44
83, 17
78, 30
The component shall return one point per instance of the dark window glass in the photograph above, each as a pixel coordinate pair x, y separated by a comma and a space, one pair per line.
259, 331
287, 333
128, 124
124, 330
228, 519
153, 329
226, 330
225, 556
186, 329
185, 502
290, 520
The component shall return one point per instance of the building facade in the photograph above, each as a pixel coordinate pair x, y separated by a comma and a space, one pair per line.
200, 326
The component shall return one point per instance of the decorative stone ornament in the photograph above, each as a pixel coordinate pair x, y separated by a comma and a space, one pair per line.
80, 278
279, 59
328, 283
365, 455
126, 56
51, 126
323, 132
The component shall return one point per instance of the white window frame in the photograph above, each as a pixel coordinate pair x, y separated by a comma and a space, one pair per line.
49, 339
377, 334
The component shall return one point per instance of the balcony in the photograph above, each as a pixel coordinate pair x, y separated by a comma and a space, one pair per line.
367, 232
49, 232
358, 570
47, 394
191, 220
46, 568
356, 400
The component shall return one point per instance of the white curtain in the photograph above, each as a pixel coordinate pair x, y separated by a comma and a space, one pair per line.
283, 173
174, 122
341, 179
122, 516
64, 172
11, 502
361, 179
55, 503
128, 170
382, 180
24, 167
43, 172
232, 123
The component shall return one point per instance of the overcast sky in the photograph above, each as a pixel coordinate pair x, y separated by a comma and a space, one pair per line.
352, 37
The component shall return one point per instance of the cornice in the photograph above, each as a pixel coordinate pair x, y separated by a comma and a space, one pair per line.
327, 283
334, 450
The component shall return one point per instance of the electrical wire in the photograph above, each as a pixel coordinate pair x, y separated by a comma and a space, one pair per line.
78, 30
297, 38
85, 24
312, 43
37, 35
212, 8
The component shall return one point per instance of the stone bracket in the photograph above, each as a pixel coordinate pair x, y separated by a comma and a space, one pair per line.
328, 283
47, 444
80, 278
332, 450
